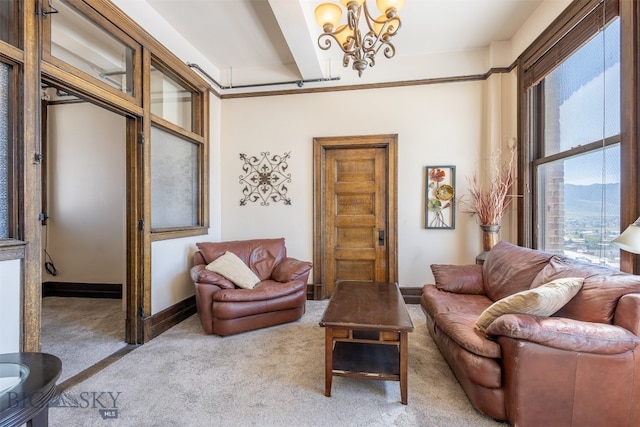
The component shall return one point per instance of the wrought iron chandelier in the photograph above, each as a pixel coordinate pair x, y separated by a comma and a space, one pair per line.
359, 48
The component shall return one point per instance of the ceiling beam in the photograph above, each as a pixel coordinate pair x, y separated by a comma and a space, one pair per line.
294, 26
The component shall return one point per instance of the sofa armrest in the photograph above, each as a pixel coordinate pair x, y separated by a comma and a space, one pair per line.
202, 276
459, 279
565, 334
545, 386
627, 313
290, 269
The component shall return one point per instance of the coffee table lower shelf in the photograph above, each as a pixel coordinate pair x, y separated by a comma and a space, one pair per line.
365, 360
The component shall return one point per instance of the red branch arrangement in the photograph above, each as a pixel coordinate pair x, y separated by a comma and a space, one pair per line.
491, 203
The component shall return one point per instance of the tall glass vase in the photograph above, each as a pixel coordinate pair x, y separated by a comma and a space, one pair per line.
489, 239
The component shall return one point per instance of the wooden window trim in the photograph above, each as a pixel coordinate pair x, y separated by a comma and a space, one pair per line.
170, 233
170, 127
11, 53
104, 23
629, 13
198, 135
11, 249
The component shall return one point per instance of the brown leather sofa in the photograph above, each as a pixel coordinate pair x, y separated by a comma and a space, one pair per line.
578, 367
279, 297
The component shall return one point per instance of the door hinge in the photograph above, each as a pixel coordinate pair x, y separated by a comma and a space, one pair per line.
141, 224
140, 312
141, 138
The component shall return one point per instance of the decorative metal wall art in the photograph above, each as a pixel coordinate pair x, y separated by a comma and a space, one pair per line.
440, 197
265, 178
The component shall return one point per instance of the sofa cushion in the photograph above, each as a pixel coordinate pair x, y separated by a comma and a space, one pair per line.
602, 288
461, 279
234, 269
541, 301
435, 301
565, 334
459, 327
509, 269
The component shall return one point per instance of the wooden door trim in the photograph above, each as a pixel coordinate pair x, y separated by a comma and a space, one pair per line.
320, 145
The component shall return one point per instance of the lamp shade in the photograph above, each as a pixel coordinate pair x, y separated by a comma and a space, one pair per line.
328, 14
378, 24
342, 34
384, 5
629, 240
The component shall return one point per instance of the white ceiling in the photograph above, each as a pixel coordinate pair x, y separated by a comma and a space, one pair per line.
267, 41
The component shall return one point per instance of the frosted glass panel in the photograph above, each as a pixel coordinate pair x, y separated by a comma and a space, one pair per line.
4, 151
80, 43
582, 95
174, 181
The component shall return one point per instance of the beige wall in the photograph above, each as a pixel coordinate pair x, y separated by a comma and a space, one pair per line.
10, 306
444, 124
86, 159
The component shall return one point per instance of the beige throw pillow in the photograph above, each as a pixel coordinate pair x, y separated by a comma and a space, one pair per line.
541, 301
234, 269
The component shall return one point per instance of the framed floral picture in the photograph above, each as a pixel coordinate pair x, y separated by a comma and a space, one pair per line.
440, 197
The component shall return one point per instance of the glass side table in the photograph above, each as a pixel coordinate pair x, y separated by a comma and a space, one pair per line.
11, 374
27, 384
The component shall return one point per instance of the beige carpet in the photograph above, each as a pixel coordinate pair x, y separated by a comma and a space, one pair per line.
269, 377
81, 331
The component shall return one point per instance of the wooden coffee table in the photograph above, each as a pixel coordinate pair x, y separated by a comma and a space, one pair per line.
367, 326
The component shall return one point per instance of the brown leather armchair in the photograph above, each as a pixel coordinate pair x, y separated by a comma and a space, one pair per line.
279, 297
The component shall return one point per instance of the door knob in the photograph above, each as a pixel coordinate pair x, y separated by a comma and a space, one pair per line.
380, 237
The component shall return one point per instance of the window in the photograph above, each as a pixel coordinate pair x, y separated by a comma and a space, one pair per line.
78, 41
10, 38
170, 100
4, 152
177, 155
573, 127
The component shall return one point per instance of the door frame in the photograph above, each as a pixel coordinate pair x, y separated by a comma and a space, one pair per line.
137, 247
388, 142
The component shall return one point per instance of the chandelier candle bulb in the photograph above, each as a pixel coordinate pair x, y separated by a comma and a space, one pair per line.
347, 3
390, 7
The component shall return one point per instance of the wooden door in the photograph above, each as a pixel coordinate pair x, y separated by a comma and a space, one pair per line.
355, 218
